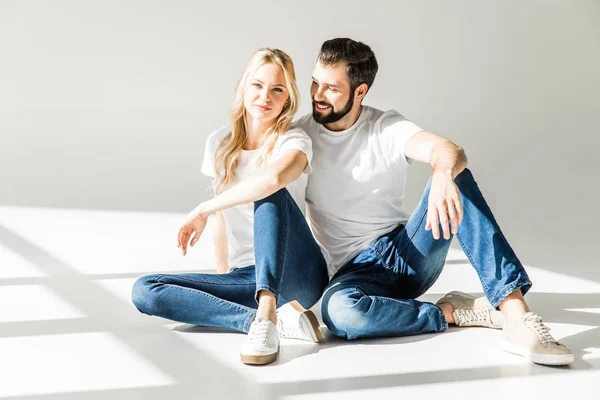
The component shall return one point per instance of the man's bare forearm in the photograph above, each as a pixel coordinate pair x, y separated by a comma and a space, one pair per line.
448, 159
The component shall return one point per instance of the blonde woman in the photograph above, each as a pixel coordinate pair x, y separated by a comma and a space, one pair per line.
274, 269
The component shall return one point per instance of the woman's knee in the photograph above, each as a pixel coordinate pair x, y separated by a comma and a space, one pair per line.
143, 294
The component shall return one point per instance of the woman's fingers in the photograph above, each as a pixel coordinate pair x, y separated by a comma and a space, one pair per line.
184, 237
195, 239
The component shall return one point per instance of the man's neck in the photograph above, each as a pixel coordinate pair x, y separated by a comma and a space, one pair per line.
347, 121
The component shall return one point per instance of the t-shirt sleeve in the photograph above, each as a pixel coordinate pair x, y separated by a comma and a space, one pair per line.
210, 149
296, 139
396, 131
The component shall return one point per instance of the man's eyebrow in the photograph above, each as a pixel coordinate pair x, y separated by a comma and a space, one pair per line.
328, 84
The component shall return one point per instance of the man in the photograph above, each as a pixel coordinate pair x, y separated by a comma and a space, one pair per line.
380, 259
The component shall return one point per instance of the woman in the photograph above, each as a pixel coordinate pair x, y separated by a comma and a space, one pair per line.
259, 166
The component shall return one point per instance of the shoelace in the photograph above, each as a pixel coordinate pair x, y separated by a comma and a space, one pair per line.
259, 332
541, 331
468, 315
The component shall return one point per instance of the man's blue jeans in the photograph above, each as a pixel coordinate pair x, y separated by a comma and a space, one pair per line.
373, 294
289, 264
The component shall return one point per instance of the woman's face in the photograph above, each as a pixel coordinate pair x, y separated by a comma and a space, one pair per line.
266, 93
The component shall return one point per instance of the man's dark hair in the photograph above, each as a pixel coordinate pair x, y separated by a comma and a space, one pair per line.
361, 64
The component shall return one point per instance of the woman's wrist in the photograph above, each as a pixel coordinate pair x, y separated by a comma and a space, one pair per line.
202, 210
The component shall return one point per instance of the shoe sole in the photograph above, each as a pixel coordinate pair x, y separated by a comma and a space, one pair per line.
262, 359
543, 359
309, 321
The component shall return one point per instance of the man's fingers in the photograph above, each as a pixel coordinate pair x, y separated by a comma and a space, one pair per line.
435, 225
443, 213
459, 209
453, 218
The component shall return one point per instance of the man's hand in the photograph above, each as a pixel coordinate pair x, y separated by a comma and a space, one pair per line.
193, 225
444, 205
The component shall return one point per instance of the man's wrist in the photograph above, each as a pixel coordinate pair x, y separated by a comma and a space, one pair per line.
443, 172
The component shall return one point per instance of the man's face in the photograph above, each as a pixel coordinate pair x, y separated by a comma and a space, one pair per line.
330, 92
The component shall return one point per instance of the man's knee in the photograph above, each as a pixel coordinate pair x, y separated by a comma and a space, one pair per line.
465, 176
344, 312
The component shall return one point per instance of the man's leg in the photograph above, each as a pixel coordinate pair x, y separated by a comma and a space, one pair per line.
411, 261
364, 300
502, 277
419, 254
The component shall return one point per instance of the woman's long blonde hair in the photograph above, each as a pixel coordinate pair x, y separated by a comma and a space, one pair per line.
229, 151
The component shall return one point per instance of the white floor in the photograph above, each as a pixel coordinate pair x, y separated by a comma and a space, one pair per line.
69, 331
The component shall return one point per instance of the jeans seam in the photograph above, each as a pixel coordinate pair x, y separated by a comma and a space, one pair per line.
286, 239
218, 299
486, 289
374, 278
206, 282
265, 287
495, 302
400, 252
249, 320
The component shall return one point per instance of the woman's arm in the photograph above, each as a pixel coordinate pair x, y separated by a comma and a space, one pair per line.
221, 249
263, 182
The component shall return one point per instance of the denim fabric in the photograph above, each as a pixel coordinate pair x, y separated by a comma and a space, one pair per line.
289, 264
373, 294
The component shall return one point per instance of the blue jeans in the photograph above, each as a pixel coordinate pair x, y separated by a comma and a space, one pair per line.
373, 294
289, 264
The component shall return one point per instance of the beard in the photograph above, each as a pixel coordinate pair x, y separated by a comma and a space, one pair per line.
334, 115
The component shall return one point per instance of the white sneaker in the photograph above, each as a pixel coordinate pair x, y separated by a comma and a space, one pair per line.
296, 322
530, 338
262, 344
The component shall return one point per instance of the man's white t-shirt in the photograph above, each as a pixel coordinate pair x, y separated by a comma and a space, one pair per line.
239, 220
355, 192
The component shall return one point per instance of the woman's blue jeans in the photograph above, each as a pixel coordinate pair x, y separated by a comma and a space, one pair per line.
289, 264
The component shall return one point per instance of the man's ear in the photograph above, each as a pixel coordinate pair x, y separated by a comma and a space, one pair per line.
360, 92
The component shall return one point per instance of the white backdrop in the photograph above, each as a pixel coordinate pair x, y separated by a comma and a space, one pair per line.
106, 104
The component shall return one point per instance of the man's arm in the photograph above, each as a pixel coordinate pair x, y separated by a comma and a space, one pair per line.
443, 155
447, 161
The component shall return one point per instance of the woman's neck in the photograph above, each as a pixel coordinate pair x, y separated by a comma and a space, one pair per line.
257, 133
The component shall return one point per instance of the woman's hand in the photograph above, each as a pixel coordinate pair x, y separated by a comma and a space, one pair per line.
193, 225
445, 206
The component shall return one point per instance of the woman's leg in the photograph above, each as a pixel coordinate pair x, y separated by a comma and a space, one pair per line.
289, 262
217, 300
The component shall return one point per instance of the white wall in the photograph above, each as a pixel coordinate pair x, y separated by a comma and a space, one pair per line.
106, 104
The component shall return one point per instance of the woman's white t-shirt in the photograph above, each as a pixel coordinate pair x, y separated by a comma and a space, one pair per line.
239, 220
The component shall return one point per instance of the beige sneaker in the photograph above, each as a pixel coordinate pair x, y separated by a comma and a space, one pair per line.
531, 339
296, 322
472, 311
